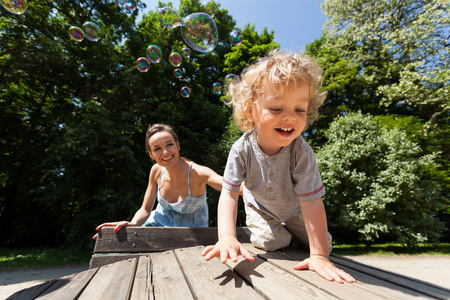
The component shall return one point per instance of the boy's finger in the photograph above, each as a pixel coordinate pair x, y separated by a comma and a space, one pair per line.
206, 250
247, 255
223, 255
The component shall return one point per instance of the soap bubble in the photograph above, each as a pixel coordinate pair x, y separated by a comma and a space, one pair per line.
175, 59
17, 7
169, 17
154, 53
76, 33
217, 88
209, 8
178, 73
185, 91
186, 52
91, 31
130, 4
200, 32
230, 78
236, 37
142, 64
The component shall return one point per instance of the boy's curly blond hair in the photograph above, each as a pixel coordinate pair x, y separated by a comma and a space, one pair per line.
280, 70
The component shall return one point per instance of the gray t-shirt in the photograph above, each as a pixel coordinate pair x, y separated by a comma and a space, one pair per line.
274, 184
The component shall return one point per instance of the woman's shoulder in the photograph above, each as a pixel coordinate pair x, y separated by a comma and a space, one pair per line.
200, 170
155, 172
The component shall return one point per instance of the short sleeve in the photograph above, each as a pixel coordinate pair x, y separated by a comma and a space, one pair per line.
235, 169
306, 176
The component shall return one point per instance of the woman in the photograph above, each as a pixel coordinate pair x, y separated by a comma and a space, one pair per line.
178, 184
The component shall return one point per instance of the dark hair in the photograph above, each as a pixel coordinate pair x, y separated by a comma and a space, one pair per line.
155, 128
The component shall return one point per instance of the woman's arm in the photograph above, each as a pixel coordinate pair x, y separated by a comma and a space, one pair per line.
209, 177
147, 204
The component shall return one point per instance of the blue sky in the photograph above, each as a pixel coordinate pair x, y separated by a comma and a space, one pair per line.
296, 22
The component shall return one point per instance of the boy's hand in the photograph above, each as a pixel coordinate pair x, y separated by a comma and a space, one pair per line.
325, 268
227, 247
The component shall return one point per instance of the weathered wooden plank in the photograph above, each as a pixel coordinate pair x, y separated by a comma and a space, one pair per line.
142, 286
32, 292
417, 285
112, 281
167, 277
144, 239
68, 287
212, 279
275, 283
134, 239
367, 286
395, 283
98, 260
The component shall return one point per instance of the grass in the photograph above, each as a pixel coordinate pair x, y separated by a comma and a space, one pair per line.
393, 249
42, 257
57, 256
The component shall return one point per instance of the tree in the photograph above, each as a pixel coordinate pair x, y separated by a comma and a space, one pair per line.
400, 50
74, 114
377, 182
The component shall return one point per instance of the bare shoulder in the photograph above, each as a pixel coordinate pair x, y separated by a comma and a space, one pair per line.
155, 172
200, 170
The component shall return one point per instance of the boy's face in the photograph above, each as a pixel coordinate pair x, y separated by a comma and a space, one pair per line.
280, 119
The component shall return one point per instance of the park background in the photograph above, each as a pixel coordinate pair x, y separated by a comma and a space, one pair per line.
74, 114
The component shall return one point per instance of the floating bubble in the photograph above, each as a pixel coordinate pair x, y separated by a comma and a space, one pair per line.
76, 33
142, 64
186, 9
185, 91
130, 4
154, 53
178, 73
217, 88
236, 37
209, 8
175, 59
169, 17
91, 31
17, 7
186, 52
200, 32
261, 59
230, 78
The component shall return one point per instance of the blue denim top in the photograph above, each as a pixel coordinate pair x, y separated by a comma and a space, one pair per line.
189, 212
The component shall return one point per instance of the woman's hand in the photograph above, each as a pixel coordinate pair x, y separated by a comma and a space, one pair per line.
117, 226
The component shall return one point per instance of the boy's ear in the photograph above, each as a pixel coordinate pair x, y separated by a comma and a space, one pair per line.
179, 148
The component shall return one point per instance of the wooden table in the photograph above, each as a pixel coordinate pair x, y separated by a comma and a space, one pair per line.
165, 263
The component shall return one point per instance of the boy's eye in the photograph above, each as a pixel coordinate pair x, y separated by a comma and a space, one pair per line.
275, 109
300, 110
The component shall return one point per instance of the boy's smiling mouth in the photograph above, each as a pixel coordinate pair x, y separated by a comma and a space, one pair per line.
285, 131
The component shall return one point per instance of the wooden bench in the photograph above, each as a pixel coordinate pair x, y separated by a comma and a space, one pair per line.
165, 263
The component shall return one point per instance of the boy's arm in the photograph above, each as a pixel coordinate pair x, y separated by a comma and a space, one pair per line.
228, 246
316, 226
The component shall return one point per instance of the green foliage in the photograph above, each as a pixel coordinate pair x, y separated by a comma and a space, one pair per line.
43, 256
74, 114
378, 182
392, 249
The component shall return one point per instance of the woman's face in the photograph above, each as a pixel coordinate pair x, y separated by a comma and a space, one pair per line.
164, 150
